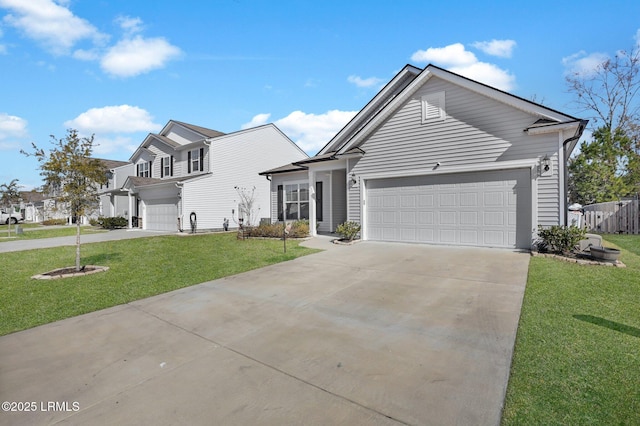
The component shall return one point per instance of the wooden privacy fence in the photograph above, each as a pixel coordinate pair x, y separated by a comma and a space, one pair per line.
615, 217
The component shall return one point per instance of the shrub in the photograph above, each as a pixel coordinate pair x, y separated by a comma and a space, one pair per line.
94, 222
348, 230
113, 222
51, 222
559, 239
299, 229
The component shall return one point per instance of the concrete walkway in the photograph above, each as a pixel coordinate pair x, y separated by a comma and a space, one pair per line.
369, 334
116, 234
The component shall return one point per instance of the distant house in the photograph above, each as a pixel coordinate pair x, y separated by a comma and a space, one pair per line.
436, 158
190, 173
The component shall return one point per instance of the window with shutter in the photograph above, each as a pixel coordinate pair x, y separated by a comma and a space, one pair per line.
433, 107
280, 203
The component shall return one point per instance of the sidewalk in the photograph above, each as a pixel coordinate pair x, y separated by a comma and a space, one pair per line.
116, 234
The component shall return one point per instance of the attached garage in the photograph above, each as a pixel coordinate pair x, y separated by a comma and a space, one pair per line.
490, 209
161, 215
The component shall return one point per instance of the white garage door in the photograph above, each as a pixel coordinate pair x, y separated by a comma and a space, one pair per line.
161, 215
490, 209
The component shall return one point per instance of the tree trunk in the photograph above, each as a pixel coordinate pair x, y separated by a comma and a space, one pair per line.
78, 244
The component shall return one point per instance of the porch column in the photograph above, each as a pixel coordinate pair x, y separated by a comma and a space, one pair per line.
131, 207
312, 203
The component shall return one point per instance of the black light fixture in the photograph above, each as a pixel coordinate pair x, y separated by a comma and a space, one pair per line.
545, 163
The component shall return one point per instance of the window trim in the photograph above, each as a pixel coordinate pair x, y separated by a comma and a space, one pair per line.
199, 162
298, 202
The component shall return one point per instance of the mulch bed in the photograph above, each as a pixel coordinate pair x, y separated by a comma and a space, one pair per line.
70, 272
582, 259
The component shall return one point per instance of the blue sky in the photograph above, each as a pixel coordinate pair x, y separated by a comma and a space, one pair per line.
122, 69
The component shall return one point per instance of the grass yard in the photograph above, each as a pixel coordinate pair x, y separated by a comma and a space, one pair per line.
139, 268
32, 233
577, 353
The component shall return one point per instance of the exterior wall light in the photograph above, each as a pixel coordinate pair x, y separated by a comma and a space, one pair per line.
545, 164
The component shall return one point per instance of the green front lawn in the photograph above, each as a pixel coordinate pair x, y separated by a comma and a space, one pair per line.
139, 268
577, 353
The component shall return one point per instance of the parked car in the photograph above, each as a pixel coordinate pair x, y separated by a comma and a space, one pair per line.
15, 217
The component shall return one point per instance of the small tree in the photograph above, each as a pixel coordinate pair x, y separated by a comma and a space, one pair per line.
71, 176
246, 205
10, 196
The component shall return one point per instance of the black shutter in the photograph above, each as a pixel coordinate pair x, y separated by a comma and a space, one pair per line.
319, 201
137, 169
171, 166
162, 167
280, 203
150, 168
189, 162
201, 159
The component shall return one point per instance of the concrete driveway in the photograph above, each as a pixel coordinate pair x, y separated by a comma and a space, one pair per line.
369, 334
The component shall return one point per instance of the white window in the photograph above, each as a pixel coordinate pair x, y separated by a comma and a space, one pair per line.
144, 169
166, 168
433, 107
195, 160
296, 201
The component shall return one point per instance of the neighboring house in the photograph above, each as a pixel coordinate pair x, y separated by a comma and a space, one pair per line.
188, 172
113, 201
32, 206
436, 158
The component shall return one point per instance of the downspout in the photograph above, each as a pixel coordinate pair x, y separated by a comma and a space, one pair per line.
180, 210
565, 168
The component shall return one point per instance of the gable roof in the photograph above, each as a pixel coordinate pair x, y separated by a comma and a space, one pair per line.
112, 164
208, 133
397, 84
369, 122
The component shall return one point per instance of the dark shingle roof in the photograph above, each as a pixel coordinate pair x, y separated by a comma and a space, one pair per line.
210, 133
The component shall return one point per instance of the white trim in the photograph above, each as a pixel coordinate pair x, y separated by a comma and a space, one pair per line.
480, 167
325, 166
331, 228
562, 205
312, 203
552, 128
437, 103
530, 164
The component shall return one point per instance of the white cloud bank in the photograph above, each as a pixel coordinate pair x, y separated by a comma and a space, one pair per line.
112, 126
12, 128
309, 131
456, 58
55, 27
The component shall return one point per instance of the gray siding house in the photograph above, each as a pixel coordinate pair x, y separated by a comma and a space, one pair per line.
436, 158
188, 171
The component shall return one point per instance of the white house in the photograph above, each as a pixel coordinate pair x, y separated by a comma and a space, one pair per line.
436, 158
188, 173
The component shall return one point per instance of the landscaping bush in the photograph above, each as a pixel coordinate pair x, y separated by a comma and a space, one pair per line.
51, 222
94, 222
299, 229
348, 230
113, 222
559, 239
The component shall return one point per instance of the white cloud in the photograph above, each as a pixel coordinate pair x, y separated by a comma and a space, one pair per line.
50, 23
501, 48
457, 59
131, 57
12, 126
256, 121
309, 131
103, 146
582, 63
454, 55
129, 25
114, 119
364, 82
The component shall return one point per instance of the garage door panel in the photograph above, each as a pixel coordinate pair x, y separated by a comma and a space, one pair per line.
484, 208
161, 215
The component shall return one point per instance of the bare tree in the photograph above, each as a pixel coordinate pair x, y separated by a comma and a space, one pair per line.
609, 94
246, 205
